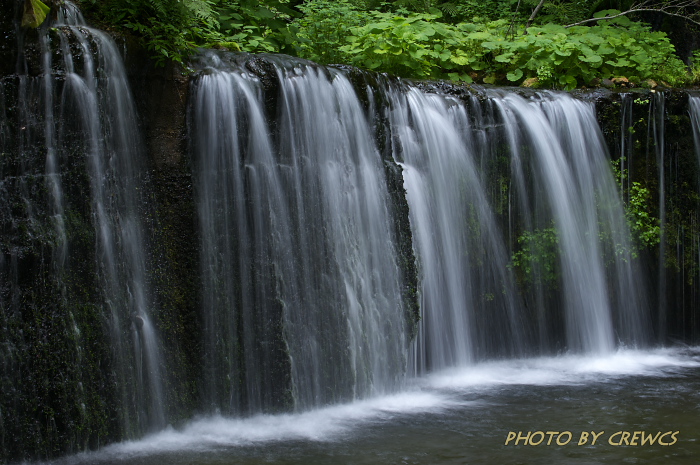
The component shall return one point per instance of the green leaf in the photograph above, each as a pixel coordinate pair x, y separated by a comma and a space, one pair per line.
591, 58
504, 58
461, 60
492, 45
34, 13
480, 35
460, 77
621, 63
515, 75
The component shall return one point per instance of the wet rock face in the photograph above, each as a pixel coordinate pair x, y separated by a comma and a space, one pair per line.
8, 41
59, 392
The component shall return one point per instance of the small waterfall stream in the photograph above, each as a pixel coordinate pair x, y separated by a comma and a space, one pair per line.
297, 240
567, 187
469, 305
86, 116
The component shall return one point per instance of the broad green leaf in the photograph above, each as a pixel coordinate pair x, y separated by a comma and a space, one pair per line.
492, 45
515, 75
34, 13
264, 13
428, 31
461, 60
554, 29
592, 58
479, 35
460, 77
504, 58
619, 63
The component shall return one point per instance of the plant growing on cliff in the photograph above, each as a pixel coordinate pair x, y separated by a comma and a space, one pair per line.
168, 28
537, 259
34, 13
644, 226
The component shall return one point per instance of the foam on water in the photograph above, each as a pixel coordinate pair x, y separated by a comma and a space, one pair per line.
327, 424
565, 369
434, 394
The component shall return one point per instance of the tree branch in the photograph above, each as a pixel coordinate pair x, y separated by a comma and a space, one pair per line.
673, 8
534, 13
512, 21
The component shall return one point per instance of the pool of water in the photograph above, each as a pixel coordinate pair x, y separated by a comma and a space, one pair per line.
465, 416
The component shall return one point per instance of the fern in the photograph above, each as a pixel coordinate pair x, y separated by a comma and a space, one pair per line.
449, 8
159, 6
202, 10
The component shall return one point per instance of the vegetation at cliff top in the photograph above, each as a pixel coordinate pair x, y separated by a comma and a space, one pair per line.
514, 42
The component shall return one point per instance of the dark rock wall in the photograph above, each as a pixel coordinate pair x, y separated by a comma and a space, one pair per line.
58, 384
673, 266
161, 94
57, 391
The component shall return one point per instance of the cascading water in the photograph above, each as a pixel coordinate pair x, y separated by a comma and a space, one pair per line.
626, 143
567, 188
297, 240
115, 154
694, 108
88, 116
469, 306
655, 131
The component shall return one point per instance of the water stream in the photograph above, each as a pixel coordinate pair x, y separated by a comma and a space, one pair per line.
464, 416
86, 115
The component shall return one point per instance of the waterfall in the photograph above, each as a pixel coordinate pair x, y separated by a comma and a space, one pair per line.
599, 282
560, 181
468, 299
87, 117
324, 203
297, 239
656, 130
694, 107
517, 223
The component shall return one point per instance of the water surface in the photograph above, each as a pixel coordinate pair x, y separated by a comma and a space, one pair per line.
462, 416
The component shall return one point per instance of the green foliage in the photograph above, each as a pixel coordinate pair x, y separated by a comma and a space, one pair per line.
424, 42
169, 28
695, 68
34, 13
568, 57
172, 28
253, 26
644, 227
479, 11
538, 257
420, 46
323, 28
565, 11
415, 46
